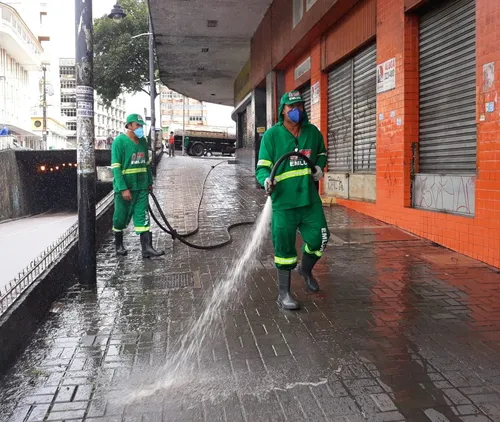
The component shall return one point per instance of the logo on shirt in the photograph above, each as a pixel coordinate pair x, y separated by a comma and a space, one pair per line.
139, 158
297, 161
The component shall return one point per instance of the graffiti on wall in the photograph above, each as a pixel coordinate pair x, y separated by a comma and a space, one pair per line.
446, 193
337, 185
389, 177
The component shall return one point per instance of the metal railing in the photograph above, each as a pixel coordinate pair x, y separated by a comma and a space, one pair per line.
20, 142
11, 292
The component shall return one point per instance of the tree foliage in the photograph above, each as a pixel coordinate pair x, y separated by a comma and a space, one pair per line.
121, 64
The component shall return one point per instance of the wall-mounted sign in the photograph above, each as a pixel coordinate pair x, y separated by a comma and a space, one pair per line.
488, 76
261, 129
302, 68
386, 76
315, 91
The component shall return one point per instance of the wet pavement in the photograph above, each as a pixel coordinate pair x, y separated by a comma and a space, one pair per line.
21, 241
401, 330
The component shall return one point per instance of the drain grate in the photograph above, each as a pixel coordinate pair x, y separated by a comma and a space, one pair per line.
175, 280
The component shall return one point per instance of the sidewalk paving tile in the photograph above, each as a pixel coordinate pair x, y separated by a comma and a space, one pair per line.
401, 330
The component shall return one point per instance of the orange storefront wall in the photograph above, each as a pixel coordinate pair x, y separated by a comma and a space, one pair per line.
397, 36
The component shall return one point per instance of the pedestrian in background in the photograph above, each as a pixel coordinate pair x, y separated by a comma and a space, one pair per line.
171, 145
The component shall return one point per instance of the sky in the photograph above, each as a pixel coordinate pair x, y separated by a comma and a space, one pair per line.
64, 15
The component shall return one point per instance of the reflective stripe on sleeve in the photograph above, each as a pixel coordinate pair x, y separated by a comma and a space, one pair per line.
265, 163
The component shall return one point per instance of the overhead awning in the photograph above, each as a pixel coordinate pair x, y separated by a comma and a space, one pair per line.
203, 45
15, 130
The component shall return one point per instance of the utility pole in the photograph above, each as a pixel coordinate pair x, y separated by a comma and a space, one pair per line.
152, 92
44, 105
87, 265
183, 122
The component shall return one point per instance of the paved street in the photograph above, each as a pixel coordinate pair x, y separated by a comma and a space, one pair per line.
21, 241
402, 330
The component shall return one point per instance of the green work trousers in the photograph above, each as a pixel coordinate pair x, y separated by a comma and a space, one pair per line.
310, 221
136, 208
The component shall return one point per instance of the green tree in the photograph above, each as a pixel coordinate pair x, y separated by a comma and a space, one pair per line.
121, 64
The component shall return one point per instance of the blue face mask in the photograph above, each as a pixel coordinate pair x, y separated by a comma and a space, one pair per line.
296, 115
139, 132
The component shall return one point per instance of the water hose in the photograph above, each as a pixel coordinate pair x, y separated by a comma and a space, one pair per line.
182, 237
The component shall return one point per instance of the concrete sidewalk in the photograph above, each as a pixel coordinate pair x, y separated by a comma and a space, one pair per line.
401, 330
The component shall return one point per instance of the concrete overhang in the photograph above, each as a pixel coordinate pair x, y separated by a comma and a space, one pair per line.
184, 29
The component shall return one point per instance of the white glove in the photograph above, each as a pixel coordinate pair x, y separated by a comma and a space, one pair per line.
318, 175
269, 186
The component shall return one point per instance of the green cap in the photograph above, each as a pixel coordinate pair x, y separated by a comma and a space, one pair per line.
291, 97
137, 118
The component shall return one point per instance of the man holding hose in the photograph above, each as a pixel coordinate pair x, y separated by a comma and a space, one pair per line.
296, 202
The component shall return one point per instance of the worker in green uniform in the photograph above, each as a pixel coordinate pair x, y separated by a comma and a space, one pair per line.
132, 182
186, 143
296, 202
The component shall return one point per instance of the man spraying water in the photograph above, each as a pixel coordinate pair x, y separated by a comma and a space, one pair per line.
296, 202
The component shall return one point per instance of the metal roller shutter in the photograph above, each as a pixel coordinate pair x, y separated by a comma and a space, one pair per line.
352, 113
339, 117
306, 95
448, 89
365, 109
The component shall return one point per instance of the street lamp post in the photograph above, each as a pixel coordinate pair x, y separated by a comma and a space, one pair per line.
87, 260
44, 105
152, 93
183, 122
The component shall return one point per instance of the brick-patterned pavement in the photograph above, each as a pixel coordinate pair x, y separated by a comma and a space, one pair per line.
401, 330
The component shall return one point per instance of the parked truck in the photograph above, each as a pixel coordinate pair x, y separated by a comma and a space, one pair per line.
203, 142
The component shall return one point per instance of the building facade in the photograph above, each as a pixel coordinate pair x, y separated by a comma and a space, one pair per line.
35, 28
405, 95
108, 122
176, 109
21, 57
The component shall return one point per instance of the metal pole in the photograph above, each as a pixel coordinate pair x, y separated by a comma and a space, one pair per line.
183, 121
152, 92
44, 105
85, 143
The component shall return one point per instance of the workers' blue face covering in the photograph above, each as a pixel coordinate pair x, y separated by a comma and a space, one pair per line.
139, 132
296, 115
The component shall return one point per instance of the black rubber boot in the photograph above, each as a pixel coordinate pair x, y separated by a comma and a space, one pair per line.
120, 250
285, 299
147, 246
305, 270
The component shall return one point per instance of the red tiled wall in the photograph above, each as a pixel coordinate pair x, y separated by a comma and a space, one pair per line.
478, 237
397, 36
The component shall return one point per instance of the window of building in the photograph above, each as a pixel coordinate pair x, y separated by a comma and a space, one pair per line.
71, 125
68, 98
70, 112
67, 71
298, 11
68, 84
195, 118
